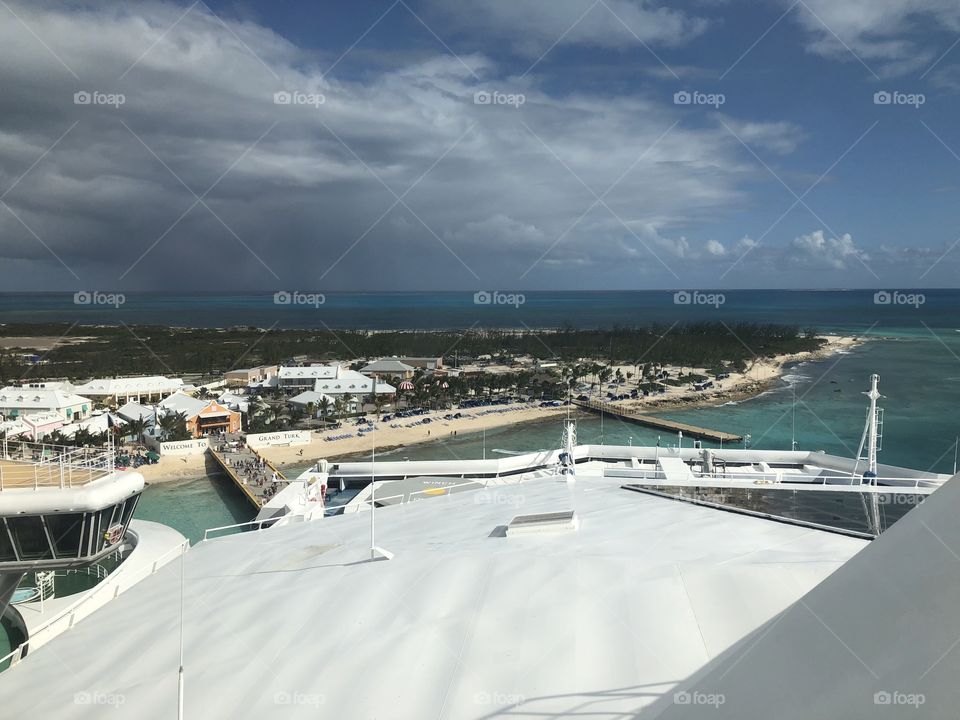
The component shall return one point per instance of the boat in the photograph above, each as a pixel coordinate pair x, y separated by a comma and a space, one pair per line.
549, 584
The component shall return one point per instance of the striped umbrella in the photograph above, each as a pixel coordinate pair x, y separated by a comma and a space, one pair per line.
406, 385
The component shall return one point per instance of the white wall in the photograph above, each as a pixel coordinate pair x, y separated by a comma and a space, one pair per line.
179, 447
284, 437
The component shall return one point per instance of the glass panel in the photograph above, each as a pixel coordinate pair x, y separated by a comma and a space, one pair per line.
128, 510
30, 538
65, 533
6, 549
104, 525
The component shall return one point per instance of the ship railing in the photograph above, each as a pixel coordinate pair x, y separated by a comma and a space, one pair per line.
90, 601
879, 484
35, 464
418, 495
209, 533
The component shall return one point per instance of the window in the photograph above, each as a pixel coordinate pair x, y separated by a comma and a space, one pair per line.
6, 549
30, 538
65, 532
128, 509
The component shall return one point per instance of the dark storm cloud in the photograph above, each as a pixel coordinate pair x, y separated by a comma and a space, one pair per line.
300, 195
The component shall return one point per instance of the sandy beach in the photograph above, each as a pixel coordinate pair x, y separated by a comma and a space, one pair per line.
387, 437
175, 467
758, 377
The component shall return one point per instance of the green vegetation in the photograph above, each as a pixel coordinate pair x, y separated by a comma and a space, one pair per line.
175, 351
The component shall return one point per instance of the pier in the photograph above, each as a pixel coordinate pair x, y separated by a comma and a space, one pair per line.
692, 431
250, 472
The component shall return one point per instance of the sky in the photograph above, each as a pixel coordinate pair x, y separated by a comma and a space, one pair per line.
468, 144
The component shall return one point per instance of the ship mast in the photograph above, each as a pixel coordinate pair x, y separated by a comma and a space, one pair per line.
871, 431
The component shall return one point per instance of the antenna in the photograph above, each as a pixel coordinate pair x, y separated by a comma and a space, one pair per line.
375, 552
871, 432
956, 443
793, 432
180, 672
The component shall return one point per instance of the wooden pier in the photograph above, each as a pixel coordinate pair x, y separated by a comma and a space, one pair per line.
254, 492
691, 431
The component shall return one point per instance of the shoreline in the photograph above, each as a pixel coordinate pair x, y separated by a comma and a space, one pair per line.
761, 376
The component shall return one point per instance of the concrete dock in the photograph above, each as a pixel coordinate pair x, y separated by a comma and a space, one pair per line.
250, 472
691, 431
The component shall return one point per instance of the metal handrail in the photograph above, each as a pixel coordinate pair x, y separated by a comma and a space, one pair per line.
775, 478
95, 592
258, 523
56, 465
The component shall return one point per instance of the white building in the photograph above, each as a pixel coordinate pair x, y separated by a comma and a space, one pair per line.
37, 397
116, 391
315, 398
305, 377
391, 367
41, 424
351, 382
135, 411
332, 380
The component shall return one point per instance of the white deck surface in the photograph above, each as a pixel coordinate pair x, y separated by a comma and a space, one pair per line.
293, 622
879, 639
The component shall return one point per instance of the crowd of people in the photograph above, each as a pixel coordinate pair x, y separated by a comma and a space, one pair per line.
252, 469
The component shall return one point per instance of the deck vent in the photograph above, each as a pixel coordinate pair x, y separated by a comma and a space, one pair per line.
543, 523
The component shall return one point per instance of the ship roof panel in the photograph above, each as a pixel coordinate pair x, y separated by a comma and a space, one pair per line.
462, 623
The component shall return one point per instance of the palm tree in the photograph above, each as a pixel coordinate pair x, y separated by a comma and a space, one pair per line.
136, 428
173, 426
56, 438
83, 437
378, 403
324, 406
347, 399
311, 409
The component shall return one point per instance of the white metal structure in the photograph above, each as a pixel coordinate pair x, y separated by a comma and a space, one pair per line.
872, 431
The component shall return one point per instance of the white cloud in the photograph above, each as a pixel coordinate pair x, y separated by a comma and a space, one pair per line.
819, 250
534, 27
777, 137
880, 32
716, 248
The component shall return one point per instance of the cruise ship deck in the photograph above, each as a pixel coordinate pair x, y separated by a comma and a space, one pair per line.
466, 621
